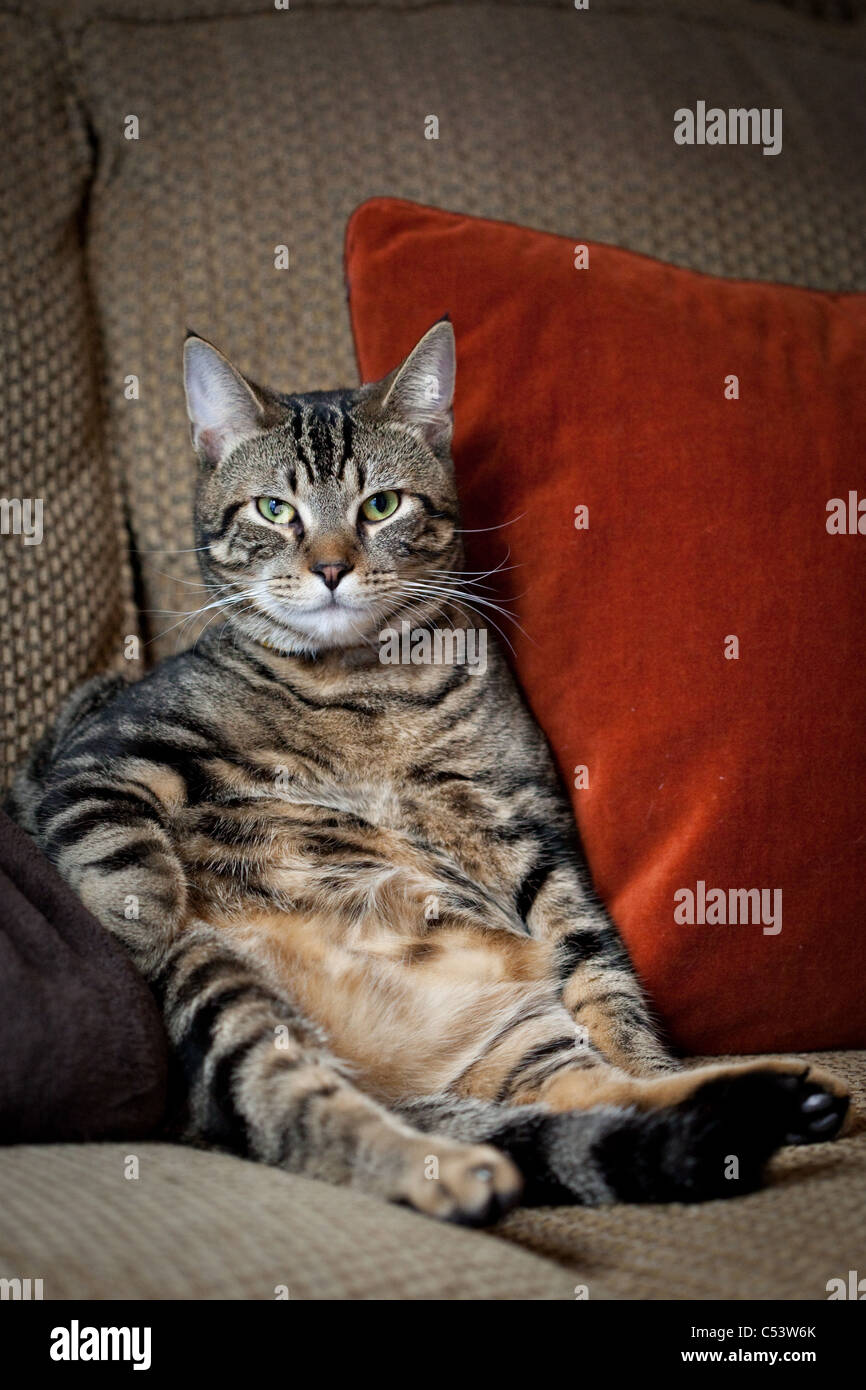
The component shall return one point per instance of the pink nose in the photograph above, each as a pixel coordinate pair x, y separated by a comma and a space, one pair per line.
331, 572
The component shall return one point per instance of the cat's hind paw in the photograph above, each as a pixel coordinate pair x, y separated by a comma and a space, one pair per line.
816, 1113
470, 1185
716, 1143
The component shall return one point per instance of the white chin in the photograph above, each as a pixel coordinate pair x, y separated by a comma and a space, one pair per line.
328, 626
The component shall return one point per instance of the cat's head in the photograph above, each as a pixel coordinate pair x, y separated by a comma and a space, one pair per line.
322, 518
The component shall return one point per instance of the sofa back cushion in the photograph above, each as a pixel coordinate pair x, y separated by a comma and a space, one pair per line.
65, 579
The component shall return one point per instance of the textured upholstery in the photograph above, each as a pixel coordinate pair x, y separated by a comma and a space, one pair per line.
64, 601
200, 1225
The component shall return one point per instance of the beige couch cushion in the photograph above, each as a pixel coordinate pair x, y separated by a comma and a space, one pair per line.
205, 1225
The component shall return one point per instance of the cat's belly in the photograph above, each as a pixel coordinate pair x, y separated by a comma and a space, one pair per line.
406, 962
298, 855
411, 1011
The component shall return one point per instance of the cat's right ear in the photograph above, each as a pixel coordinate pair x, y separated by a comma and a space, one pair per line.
222, 406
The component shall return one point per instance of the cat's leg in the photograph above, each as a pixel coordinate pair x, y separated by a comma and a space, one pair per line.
261, 1081
815, 1102
107, 832
714, 1144
258, 1077
603, 996
598, 983
535, 1054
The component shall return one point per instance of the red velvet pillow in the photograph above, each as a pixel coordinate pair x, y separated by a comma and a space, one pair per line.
610, 388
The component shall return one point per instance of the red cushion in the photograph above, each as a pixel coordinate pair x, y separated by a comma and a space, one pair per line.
605, 387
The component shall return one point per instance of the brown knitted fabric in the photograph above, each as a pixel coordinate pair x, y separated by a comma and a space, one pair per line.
205, 1225
265, 129
72, 13
64, 601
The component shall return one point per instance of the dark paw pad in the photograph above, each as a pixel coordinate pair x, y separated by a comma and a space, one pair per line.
815, 1114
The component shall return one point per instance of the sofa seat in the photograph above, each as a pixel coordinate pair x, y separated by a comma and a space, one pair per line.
204, 1225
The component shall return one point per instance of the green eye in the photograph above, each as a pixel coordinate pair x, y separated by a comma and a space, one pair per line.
380, 505
280, 513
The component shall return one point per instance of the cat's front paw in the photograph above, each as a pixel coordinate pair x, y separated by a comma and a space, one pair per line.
471, 1185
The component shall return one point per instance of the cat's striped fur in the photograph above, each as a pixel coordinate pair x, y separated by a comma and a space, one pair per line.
355, 887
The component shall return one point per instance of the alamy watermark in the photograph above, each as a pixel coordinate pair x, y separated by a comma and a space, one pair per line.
21, 1290
423, 646
21, 516
77, 1343
852, 1287
847, 516
738, 125
737, 907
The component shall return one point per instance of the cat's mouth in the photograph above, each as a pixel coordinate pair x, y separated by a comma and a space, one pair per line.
329, 620
333, 600
318, 621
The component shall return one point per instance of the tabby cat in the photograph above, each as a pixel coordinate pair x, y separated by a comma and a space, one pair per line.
356, 887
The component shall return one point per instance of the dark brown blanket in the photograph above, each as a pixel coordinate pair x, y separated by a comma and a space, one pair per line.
83, 1053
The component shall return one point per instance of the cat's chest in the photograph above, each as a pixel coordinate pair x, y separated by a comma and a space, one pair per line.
325, 787
376, 801
310, 820
389, 773
385, 799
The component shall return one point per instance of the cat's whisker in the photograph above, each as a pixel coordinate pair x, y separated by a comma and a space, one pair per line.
477, 530
246, 597
210, 620
234, 627
457, 599
187, 615
472, 602
501, 568
452, 586
193, 612
192, 583
438, 611
167, 550
480, 583
458, 592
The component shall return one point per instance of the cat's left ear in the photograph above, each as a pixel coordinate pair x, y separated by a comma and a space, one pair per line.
421, 391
